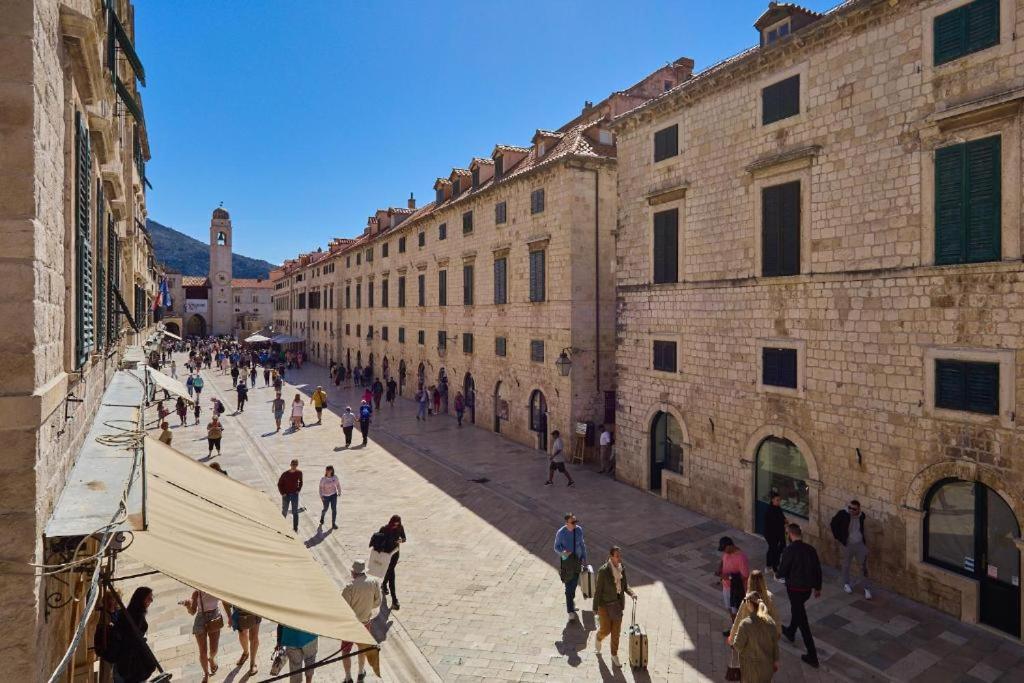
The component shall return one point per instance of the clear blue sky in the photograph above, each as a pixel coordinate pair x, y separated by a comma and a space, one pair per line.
305, 116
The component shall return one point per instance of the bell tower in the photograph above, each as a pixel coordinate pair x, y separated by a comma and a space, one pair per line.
221, 296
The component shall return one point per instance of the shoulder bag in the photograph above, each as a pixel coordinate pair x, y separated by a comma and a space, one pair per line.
210, 625
570, 567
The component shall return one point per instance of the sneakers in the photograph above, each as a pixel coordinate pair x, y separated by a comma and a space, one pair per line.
615, 661
597, 645
809, 660
846, 588
361, 677
571, 484
547, 483
867, 594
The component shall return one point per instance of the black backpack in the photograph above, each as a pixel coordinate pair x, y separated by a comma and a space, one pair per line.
106, 639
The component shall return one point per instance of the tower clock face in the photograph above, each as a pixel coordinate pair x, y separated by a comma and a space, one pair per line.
222, 277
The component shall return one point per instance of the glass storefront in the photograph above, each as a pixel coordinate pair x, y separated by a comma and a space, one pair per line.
781, 467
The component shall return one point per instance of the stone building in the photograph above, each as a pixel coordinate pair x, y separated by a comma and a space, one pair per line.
219, 303
305, 304
819, 289
78, 279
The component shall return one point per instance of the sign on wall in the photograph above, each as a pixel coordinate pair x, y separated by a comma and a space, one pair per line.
195, 306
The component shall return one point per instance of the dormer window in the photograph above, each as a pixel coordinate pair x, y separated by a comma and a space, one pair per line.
476, 178
668, 85
499, 167
541, 148
455, 188
440, 195
605, 137
781, 30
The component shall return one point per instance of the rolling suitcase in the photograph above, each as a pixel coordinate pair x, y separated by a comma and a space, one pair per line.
587, 582
637, 643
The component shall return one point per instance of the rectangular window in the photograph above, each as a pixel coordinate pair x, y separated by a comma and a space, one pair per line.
780, 100
348, 261
359, 258
384, 250
369, 295
85, 330
442, 288
778, 367
384, 333
467, 342
401, 291
455, 188
537, 201
967, 385
401, 245
665, 356
537, 350
968, 202
442, 231
966, 29
359, 296
442, 341
421, 337
666, 246
422, 239
401, 335
359, 330
467, 222
476, 178
501, 281
537, 276
384, 293
369, 255
421, 281
500, 346
500, 213
780, 229
467, 285
369, 332
666, 143
439, 195
499, 167
348, 296
348, 329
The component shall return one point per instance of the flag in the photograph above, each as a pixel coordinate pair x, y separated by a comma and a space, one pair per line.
165, 293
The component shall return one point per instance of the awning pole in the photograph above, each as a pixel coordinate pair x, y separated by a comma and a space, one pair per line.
140, 447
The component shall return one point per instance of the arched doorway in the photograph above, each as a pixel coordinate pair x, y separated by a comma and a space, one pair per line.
469, 396
539, 418
173, 328
500, 405
969, 529
359, 359
384, 367
421, 375
368, 374
442, 388
666, 447
780, 467
401, 377
348, 359
196, 326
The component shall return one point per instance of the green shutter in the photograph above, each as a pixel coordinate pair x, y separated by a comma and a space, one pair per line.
442, 288
983, 234
666, 246
467, 285
666, 143
790, 228
966, 29
85, 331
948, 35
500, 292
780, 100
537, 276
112, 281
780, 229
950, 385
949, 204
101, 275
982, 388
982, 28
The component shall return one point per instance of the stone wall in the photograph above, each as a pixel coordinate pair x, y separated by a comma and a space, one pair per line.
869, 308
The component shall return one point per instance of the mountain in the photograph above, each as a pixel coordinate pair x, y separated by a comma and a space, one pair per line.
191, 257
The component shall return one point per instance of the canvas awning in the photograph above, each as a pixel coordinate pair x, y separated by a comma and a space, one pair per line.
169, 383
170, 334
257, 339
287, 339
218, 535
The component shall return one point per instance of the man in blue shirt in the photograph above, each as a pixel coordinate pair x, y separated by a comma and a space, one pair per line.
300, 649
365, 411
572, 552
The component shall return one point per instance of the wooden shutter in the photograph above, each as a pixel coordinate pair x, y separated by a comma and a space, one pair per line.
467, 285
780, 229
401, 292
421, 281
113, 324
101, 276
537, 276
442, 288
982, 388
790, 228
467, 222
983, 234
85, 331
780, 100
500, 282
950, 385
950, 209
442, 340
779, 367
500, 346
537, 350
982, 25
467, 342
383, 293
665, 356
666, 143
666, 246
537, 201
949, 31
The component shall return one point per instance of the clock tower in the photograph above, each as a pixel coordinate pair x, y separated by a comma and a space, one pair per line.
221, 297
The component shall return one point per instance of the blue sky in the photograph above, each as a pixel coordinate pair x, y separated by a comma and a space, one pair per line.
305, 116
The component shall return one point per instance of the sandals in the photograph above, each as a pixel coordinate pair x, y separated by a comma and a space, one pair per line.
241, 660
213, 667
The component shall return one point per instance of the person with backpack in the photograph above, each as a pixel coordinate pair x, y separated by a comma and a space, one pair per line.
189, 382
365, 412
571, 547
133, 660
610, 593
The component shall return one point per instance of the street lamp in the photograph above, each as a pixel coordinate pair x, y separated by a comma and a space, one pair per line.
564, 362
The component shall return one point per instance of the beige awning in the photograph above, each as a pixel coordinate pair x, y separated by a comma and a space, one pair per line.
170, 334
218, 535
170, 384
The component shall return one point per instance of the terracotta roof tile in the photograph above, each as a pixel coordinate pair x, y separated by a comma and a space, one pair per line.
195, 281
250, 282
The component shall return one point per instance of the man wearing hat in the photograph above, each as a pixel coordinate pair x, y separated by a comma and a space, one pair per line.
363, 595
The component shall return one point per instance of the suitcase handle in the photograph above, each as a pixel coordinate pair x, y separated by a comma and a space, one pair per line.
632, 619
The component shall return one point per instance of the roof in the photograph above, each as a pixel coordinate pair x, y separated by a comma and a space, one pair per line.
261, 283
221, 213
780, 10
195, 281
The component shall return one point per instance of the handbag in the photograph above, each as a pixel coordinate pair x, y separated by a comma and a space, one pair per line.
570, 567
732, 672
276, 660
210, 625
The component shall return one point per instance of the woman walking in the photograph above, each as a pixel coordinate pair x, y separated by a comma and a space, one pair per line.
189, 381
757, 584
733, 571
460, 406
252, 376
182, 410
330, 489
757, 642
394, 535
206, 628
214, 432
134, 660
247, 625
297, 420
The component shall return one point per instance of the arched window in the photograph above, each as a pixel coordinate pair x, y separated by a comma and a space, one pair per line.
781, 468
539, 418
666, 447
222, 239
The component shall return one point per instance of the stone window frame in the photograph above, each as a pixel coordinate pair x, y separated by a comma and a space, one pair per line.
965, 126
1005, 48
780, 174
800, 346
658, 126
657, 205
677, 339
774, 77
1005, 358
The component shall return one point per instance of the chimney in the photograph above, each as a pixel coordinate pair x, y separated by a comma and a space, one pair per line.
587, 106
412, 201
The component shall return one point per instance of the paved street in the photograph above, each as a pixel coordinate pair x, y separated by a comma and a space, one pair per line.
477, 581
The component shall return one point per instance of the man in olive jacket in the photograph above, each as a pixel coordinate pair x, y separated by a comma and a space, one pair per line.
610, 601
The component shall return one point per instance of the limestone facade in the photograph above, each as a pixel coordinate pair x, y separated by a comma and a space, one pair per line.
305, 301
72, 207
869, 312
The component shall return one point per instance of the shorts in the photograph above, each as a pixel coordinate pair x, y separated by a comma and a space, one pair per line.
557, 467
199, 624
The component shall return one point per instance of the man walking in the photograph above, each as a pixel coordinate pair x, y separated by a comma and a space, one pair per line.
378, 393
557, 460
277, 406
610, 594
572, 553
348, 423
392, 388
421, 404
606, 449
197, 385
365, 411
289, 485
319, 401
848, 528
363, 595
214, 432
801, 570
774, 532
243, 394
